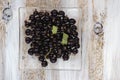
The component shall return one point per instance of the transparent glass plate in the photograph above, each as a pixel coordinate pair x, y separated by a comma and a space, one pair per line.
27, 61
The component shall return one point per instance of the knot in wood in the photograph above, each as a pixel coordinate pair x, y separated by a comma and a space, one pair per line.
98, 28
7, 13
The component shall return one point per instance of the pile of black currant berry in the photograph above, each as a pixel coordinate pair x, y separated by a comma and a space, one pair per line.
51, 35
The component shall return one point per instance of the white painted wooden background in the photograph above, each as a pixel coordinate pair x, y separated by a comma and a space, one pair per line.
107, 11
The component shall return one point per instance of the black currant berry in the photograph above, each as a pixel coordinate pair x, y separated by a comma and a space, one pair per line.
41, 58
72, 21
27, 24
61, 13
35, 12
65, 57
28, 32
32, 17
30, 51
53, 60
28, 40
75, 51
54, 12
44, 63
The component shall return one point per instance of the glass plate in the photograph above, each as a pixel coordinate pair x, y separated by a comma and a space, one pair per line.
31, 62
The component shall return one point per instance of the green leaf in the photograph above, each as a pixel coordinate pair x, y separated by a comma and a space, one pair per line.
54, 29
65, 39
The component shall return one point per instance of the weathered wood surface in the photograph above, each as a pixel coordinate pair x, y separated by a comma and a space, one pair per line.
95, 49
111, 38
105, 11
2, 43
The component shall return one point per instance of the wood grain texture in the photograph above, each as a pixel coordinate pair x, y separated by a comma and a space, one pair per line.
11, 68
2, 43
104, 11
112, 37
98, 14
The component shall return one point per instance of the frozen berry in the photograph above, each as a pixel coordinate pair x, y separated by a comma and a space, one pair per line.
59, 55
75, 33
34, 44
61, 13
65, 57
54, 12
27, 40
30, 51
32, 17
27, 24
44, 63
35, 12
77, 45
28, 32
65, 19
41, 58
36, 50
72, 21
46, 13
75, 51
53, 60
73, 27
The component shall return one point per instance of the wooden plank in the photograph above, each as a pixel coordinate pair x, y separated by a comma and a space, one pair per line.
2, 43
112, 37
11, 68
97, 13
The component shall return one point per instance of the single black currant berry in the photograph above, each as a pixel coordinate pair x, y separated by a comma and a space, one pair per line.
59, 55
33, 26
55, 50
34, 44
35, 12
53, 60
54, 12
32, 17
46, 13
57, 23
65, 19
41, 58
73, 27
36, 50
65, 57
72, 21
37, 17
28, 40
77, 45
41, 52
75, 33
27, 24
75, 51
28, 32
30, 51
61, 13
44, 63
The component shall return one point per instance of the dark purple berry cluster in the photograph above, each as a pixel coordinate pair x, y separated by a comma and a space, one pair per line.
51, 35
